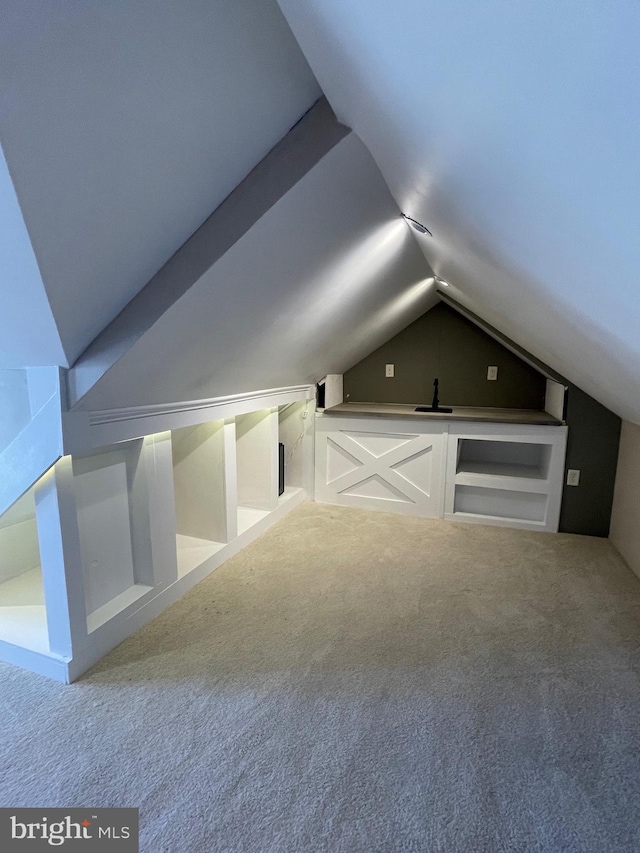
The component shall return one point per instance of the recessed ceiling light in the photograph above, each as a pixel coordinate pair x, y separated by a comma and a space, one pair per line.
419, 227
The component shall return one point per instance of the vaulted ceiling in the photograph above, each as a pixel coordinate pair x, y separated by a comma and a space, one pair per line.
510, 129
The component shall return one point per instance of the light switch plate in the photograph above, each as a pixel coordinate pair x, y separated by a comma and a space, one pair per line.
573, 477
390, 371
492, 372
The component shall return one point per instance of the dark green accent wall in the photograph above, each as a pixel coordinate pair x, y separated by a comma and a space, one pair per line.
592, 448
446, 345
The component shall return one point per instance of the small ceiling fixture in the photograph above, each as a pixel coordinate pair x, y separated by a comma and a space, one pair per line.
440, 282
420, 228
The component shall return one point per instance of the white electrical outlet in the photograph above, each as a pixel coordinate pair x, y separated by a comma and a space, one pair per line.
492, 372
390, 371
573, 477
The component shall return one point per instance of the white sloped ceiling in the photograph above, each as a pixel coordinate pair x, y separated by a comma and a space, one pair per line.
124, 125
28, 333
512, 130
324, 276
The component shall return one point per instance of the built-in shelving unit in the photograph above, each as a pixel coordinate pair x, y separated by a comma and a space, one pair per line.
507, 474
511, 478
127, 527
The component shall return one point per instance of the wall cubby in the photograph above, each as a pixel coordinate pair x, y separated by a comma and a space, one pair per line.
499, 503
256, 466
201, 492
293, 423
508, 475
113, 526
23, 618
503, 458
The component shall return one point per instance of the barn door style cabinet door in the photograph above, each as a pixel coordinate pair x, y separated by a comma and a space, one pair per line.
381, 464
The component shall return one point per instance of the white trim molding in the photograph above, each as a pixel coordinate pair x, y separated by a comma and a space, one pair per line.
84, 431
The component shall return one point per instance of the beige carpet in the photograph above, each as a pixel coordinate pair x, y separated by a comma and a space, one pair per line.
357, 681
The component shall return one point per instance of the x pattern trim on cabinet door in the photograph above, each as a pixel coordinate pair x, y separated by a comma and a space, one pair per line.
405, 472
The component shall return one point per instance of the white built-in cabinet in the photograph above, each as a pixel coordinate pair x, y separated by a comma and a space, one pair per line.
486, 473
109, 538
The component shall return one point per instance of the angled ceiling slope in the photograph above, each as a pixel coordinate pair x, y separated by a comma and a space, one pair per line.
512, 130
124, 125
305, 269
28, 333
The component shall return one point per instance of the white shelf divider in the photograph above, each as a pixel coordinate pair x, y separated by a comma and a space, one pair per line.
158, 461
503, 481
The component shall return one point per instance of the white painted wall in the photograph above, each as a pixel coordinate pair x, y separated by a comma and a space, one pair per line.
625, 516
124, 125
327, 274
15, 410
512, 131
554, 399
28, 333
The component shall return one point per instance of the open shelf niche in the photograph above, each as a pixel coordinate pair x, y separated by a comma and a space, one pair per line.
500, 503
293, 427
203, 489
256, 466
503, 458
507, 475
112, 505
23, 617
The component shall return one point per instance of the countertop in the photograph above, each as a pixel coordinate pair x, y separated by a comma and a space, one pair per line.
460, 413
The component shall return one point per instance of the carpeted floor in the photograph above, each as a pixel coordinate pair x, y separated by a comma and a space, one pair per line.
354, 682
